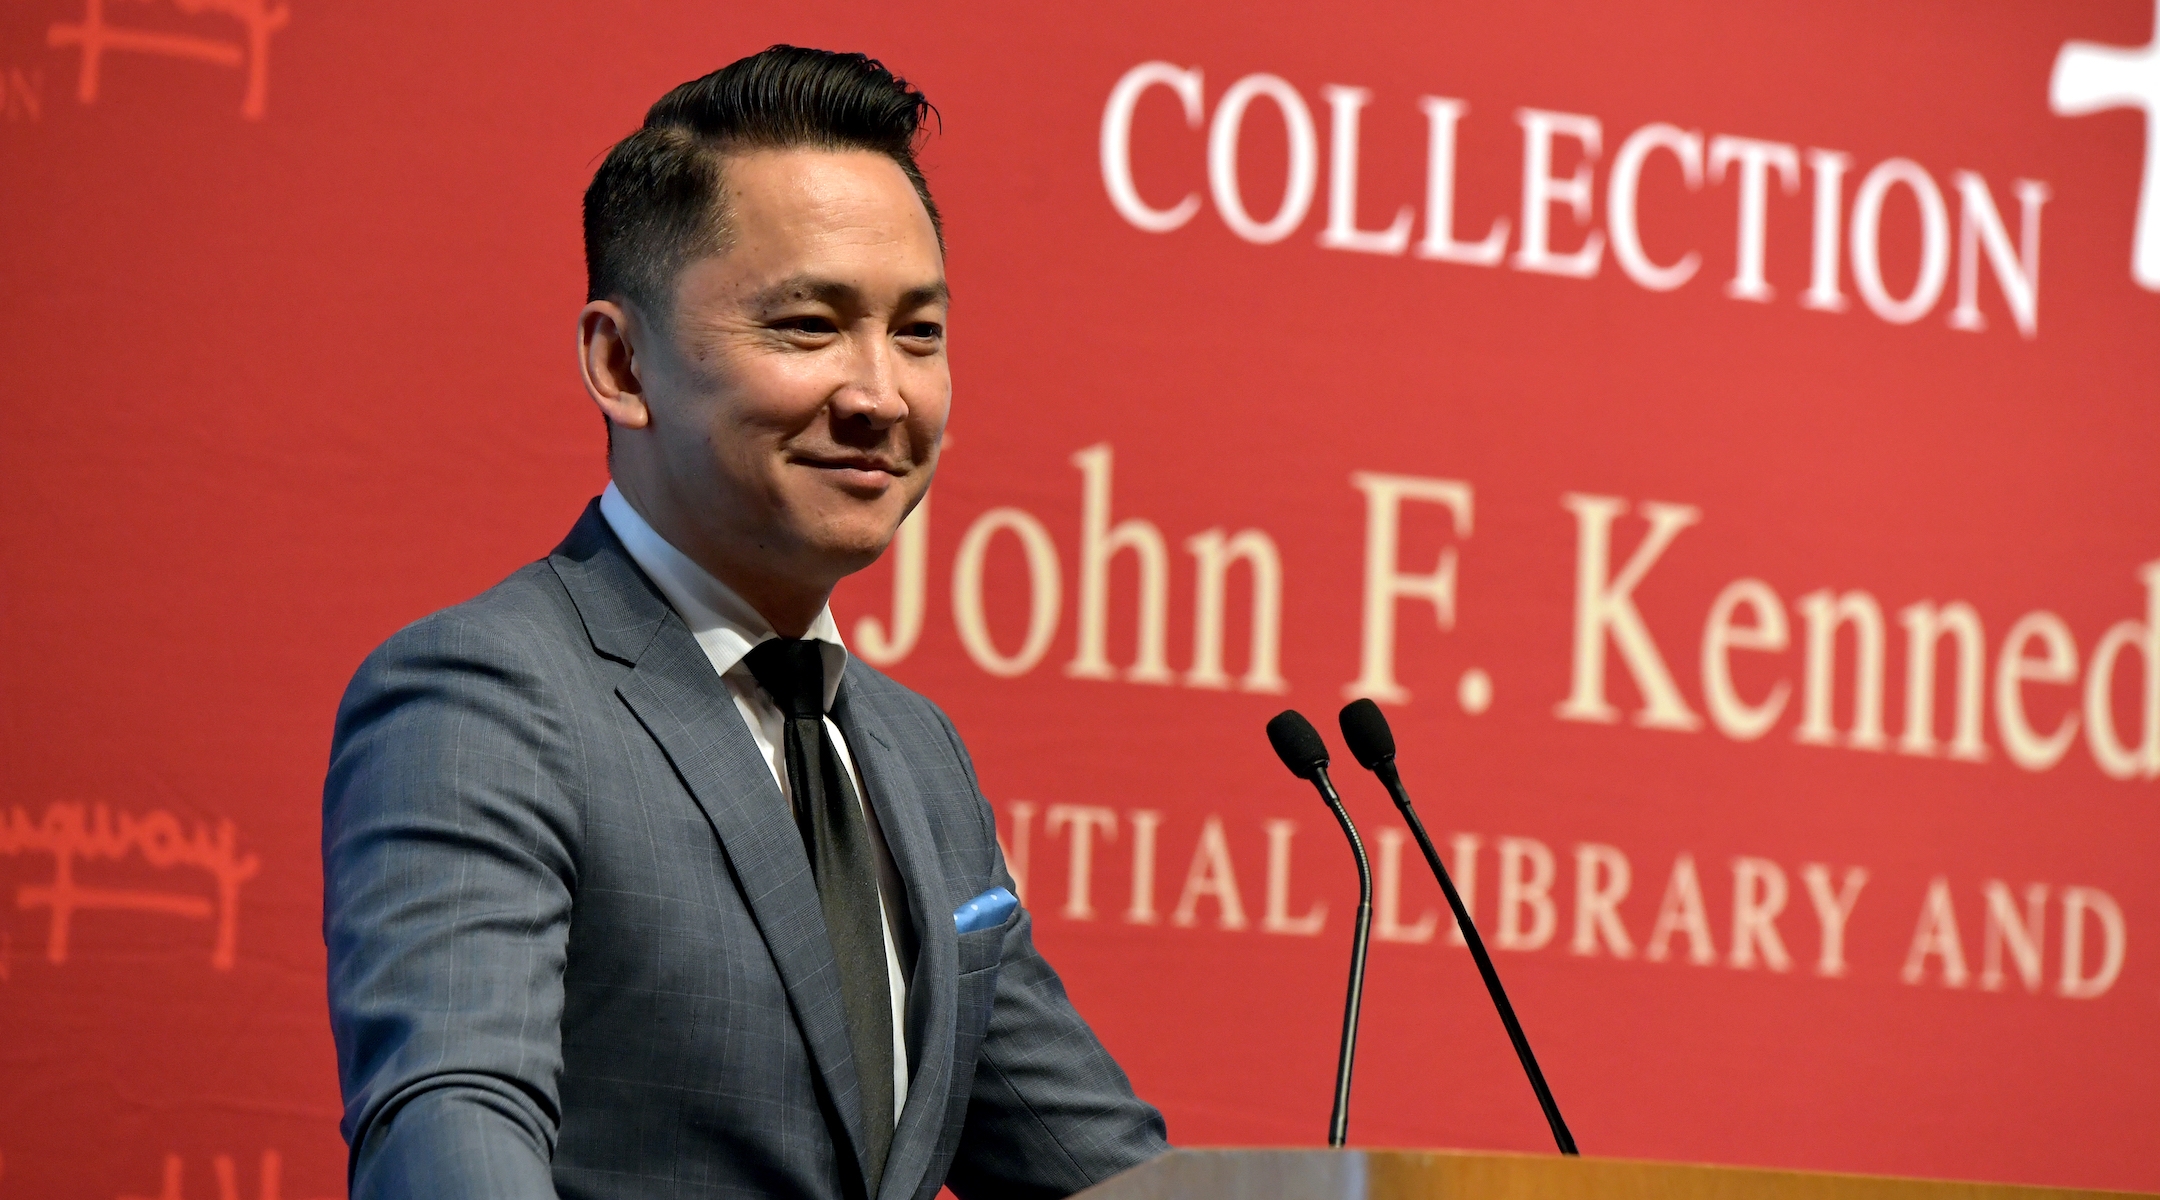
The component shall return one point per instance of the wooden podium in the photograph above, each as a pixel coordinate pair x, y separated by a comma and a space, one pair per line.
1455, 1175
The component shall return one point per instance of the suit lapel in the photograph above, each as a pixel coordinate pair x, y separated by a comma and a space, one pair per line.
933, 992
674, 692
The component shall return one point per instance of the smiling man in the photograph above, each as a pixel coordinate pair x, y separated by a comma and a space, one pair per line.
635, 884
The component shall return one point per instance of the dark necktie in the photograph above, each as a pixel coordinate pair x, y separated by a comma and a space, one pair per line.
792, 672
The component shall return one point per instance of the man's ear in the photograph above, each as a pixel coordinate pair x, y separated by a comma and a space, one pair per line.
607, 356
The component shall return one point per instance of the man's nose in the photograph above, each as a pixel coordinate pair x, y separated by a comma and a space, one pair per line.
871, 392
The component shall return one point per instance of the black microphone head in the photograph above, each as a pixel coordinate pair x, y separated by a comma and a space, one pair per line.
1365, 731
1297, 743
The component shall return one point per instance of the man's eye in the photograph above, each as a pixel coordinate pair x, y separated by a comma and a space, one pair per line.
925, 330
815, 325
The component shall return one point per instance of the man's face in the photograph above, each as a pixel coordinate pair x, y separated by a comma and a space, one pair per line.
799, 389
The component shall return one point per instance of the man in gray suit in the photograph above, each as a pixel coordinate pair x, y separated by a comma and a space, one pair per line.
635, 884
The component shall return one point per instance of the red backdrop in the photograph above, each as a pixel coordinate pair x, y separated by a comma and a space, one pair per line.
1779, 386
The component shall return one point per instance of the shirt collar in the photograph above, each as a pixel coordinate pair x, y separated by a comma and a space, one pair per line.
724, 624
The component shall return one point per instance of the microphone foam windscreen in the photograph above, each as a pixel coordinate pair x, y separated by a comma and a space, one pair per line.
1297, 743
1365, 730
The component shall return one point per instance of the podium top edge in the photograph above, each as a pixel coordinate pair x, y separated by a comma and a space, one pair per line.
1683, 1164
1390, 1173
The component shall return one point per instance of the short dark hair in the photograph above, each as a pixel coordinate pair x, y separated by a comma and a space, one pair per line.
654, 205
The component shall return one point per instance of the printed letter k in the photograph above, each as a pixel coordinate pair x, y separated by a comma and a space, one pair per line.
2090, 77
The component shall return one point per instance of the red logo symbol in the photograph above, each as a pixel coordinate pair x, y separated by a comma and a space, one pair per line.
258, 20
269, 1178
74, 834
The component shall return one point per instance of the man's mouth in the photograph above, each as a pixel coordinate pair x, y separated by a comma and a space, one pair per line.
867, 473
853, 463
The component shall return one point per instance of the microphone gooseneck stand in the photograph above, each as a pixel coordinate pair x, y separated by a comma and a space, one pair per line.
1301, 749
1373, 745
1339, 1123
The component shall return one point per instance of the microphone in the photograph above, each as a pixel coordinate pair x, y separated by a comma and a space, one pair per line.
1365, 731
1299, 746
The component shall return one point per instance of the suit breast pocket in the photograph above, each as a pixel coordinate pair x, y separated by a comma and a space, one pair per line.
982, 949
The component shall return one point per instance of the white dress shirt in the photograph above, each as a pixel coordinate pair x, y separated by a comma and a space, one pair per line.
726, 627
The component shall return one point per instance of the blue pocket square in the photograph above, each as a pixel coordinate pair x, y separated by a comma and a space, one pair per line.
987, 911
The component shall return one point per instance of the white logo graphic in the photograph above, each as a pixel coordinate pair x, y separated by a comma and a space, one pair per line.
2090, 77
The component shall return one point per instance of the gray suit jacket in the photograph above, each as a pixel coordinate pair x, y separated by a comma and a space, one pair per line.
575, 948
